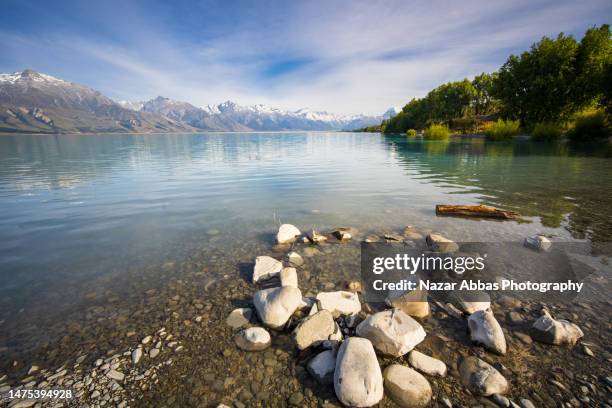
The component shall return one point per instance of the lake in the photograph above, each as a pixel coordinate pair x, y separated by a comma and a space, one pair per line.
91, 220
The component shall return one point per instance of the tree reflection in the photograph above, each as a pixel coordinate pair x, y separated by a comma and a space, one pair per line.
561, 183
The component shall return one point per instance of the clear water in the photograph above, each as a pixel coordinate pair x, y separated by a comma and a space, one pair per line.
77, 208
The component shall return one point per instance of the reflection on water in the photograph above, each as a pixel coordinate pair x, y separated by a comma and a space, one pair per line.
83, 212
558, 182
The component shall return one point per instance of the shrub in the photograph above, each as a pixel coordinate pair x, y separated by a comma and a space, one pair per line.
589, 125
502, 129
411, 133
436, 132
546, 131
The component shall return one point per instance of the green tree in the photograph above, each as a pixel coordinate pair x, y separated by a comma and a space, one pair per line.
550, 83
607, 89
537, 86
593, 58
451, 100
414, 115
484, 100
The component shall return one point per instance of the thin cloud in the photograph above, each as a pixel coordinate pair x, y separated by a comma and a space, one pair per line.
336, 56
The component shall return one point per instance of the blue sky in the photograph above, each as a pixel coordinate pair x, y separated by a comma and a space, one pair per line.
340, 56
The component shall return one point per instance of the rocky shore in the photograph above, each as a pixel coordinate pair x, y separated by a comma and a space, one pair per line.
290, 328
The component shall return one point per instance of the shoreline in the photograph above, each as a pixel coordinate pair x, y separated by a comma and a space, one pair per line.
198, 361
174, 133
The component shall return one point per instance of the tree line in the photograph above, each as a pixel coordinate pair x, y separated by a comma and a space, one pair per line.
548, 86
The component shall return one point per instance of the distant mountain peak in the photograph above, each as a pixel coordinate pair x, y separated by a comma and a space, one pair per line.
391, 112
253, 117
228, 106
33, 101
28, 75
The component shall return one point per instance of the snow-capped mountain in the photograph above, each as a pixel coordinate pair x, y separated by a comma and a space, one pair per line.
391, 112
131, 105
39, 103
232, 116
262, 117
193, 116
28, 74
36, 102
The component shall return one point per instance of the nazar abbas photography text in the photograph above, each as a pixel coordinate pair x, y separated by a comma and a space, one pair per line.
412, 264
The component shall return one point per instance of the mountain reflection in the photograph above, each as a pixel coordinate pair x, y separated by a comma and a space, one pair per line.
564, 185
35, 162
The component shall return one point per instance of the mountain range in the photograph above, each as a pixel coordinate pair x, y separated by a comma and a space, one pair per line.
33, 102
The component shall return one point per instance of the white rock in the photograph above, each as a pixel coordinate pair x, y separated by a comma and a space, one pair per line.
322, 367
339, 303
392, 332
287, 233
471, 301
146, 340
239, 317
406, 387
485, 330
316, 238
276, 305
136, 355
266, 267
27, 403
558, 332
115, 375
343, 234
253, 339
57, 375
288, 277
538, 242
358, 381
413, 303
295, 259
481, 378
315, 329
154, 353
439, 243
525, 403
427, 364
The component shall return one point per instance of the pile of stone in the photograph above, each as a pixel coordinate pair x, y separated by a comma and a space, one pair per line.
351, 362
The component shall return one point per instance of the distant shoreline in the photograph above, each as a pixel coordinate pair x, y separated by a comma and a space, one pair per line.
176, 133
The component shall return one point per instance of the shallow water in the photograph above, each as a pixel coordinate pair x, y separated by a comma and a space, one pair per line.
110, 214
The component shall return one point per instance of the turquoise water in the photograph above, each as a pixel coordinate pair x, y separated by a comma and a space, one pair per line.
76, 208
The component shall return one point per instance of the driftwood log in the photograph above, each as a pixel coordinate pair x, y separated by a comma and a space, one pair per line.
476, 211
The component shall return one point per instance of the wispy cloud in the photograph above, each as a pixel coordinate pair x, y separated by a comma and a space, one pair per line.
345, 57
